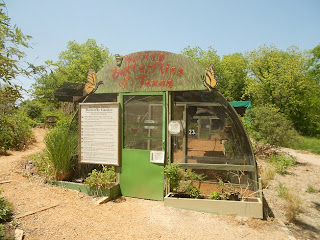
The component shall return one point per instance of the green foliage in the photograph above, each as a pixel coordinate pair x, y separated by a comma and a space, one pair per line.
5, 210
101, 179
311, 189
73, 66
1, 231
15, 131
233, 71
282, 162
174, 174
293, 204
183, 181
308, 144
193, 191
12, 40
267, 124
280, 78
43, 164
215, 195
206, 58
61, 147
33, 109
282, 190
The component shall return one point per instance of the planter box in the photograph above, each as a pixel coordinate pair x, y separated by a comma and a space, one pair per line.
111, 192
252, 207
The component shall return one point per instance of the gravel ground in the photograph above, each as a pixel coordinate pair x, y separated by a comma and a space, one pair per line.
75, 215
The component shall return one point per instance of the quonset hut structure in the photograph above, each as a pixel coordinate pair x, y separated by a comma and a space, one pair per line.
155, 108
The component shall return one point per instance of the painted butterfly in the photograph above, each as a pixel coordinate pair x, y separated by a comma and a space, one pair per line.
210, 79
92, 84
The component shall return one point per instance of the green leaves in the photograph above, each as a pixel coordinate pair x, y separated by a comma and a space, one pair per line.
73, 66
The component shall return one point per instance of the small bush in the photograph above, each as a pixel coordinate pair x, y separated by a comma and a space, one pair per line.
267, 124
215, 195
282, 162
15, 131
43, 164
61, 147
193, 191
174, 175
101, 179
5, 210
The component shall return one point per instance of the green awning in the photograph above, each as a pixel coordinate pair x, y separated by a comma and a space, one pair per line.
246, 104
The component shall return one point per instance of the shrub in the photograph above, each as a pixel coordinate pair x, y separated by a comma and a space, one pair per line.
215, 195
101, 179
5, 210
173, 173
282, 162
1, 231
267, 124
193, 191
61, 147
15, 131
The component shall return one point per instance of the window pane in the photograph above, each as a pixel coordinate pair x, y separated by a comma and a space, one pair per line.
143, 122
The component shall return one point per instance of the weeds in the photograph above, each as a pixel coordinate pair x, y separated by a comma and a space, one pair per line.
267, 173
282, 162
293, 203
311, 189
282, 190
43, 164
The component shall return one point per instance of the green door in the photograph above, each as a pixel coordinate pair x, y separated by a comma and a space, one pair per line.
143, 145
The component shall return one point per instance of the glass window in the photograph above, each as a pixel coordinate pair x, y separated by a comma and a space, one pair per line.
143, 117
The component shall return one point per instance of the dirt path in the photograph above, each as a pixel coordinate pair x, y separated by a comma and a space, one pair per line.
305, 173
76, 216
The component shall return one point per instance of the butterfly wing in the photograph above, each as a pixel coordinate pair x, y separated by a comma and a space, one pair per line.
210, 79
119, 60
92, 82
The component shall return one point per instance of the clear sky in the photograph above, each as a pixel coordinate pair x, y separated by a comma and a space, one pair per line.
125, 26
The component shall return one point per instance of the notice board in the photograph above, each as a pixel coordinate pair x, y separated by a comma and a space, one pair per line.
99, 133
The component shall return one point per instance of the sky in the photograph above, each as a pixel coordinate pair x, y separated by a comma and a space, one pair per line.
125, 26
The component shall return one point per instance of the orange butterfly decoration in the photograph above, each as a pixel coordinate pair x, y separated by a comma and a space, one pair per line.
92, 84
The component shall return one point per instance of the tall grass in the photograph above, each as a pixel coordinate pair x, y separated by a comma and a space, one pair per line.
308, 144
61, 150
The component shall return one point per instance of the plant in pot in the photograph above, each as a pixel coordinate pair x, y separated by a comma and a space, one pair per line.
182, 183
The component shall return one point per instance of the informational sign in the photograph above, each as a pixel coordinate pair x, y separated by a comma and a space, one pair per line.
99, 133
157, 156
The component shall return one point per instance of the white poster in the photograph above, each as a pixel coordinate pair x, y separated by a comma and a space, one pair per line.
157, 156
99, 133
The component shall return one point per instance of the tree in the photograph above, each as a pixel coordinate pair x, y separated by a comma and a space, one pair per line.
12, 40
231, 70
314, 64
233, 76
73, 66
206, 58
279, 78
